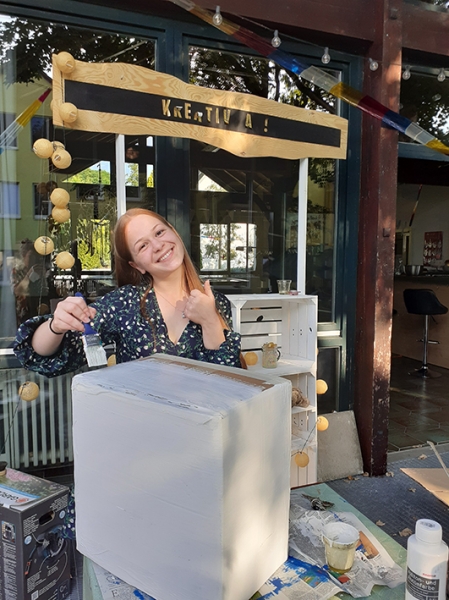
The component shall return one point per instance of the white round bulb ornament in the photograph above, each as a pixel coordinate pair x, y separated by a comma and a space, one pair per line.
64, 260
302, 459
60, 215
68, 112
322, 423
44, 245
60, 197
65, 62
43, 148
61, 158
321, 386
29, 391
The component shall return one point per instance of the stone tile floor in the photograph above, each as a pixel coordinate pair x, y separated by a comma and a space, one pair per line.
419, 408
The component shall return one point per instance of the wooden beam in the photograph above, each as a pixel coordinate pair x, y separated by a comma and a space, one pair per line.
377, 219
425, 30
343, 17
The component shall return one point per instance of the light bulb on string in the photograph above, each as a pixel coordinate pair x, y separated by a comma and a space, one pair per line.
373, 64
326, 58
217, 18
276, 41
406, 73
441, 76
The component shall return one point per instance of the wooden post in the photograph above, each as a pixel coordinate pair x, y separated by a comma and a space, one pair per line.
377, 219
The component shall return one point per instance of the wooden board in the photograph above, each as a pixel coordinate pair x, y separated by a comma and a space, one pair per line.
127, 99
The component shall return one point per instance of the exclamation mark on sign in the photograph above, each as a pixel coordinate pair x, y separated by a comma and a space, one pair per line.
266, 126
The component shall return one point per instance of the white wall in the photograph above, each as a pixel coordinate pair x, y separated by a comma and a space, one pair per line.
432, 214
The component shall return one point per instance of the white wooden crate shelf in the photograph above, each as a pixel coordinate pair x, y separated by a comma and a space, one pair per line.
286, 366
300, 409
290, 321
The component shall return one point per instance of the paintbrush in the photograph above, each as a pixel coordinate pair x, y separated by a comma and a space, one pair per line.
93, 346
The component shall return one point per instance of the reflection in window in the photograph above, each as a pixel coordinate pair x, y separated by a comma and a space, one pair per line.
425, 100
262, 192
99, 173
42, 204
139, 171
206, 184
9, 200
229, 247
320, 241
94, 244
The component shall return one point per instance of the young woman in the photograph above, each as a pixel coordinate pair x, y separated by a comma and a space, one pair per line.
160, 306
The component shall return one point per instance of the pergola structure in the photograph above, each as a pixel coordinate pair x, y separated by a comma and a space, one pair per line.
393, 33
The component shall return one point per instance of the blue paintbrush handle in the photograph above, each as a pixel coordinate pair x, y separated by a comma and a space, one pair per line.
88, 329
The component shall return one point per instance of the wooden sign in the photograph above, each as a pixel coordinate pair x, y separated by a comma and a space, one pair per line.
132, 100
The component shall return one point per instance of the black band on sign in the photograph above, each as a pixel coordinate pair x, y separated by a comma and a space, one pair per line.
102, 98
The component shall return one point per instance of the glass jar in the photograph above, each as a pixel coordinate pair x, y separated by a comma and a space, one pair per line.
270, 355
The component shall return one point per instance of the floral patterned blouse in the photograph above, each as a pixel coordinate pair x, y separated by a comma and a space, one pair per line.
119, 321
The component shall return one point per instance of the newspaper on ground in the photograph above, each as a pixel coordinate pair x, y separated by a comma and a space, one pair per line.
298, 580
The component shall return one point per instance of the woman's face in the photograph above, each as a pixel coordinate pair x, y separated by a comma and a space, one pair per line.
155, 248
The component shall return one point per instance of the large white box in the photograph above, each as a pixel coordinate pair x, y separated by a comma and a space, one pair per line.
182, 476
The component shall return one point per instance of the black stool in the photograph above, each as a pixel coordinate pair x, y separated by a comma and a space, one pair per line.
424, 302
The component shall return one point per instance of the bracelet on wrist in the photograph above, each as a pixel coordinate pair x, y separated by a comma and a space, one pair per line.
51, 328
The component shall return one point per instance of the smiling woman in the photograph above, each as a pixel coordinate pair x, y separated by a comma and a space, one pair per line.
160, 305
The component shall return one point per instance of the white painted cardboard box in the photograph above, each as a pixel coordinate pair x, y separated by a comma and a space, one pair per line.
182, 476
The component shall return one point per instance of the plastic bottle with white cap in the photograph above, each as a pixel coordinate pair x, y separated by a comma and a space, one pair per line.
427, 560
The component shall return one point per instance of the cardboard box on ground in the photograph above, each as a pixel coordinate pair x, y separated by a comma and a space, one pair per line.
182, 474
34, 555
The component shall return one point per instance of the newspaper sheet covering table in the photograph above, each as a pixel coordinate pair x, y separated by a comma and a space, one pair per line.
372, 564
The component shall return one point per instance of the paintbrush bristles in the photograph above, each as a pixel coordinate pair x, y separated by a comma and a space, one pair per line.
93, 346
94, 351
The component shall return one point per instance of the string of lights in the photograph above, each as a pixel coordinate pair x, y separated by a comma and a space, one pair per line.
374, 64
322, 79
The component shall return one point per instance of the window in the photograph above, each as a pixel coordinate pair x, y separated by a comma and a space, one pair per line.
229, 248
9, 200
425, 100
42, 204
233, 198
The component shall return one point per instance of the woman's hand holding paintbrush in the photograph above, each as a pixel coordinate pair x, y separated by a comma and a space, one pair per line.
71, 314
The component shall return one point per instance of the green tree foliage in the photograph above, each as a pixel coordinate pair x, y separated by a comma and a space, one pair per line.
132, 176
93, 176
29, 45
94, 247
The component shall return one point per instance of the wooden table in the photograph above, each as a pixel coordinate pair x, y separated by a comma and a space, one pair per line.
91, 589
